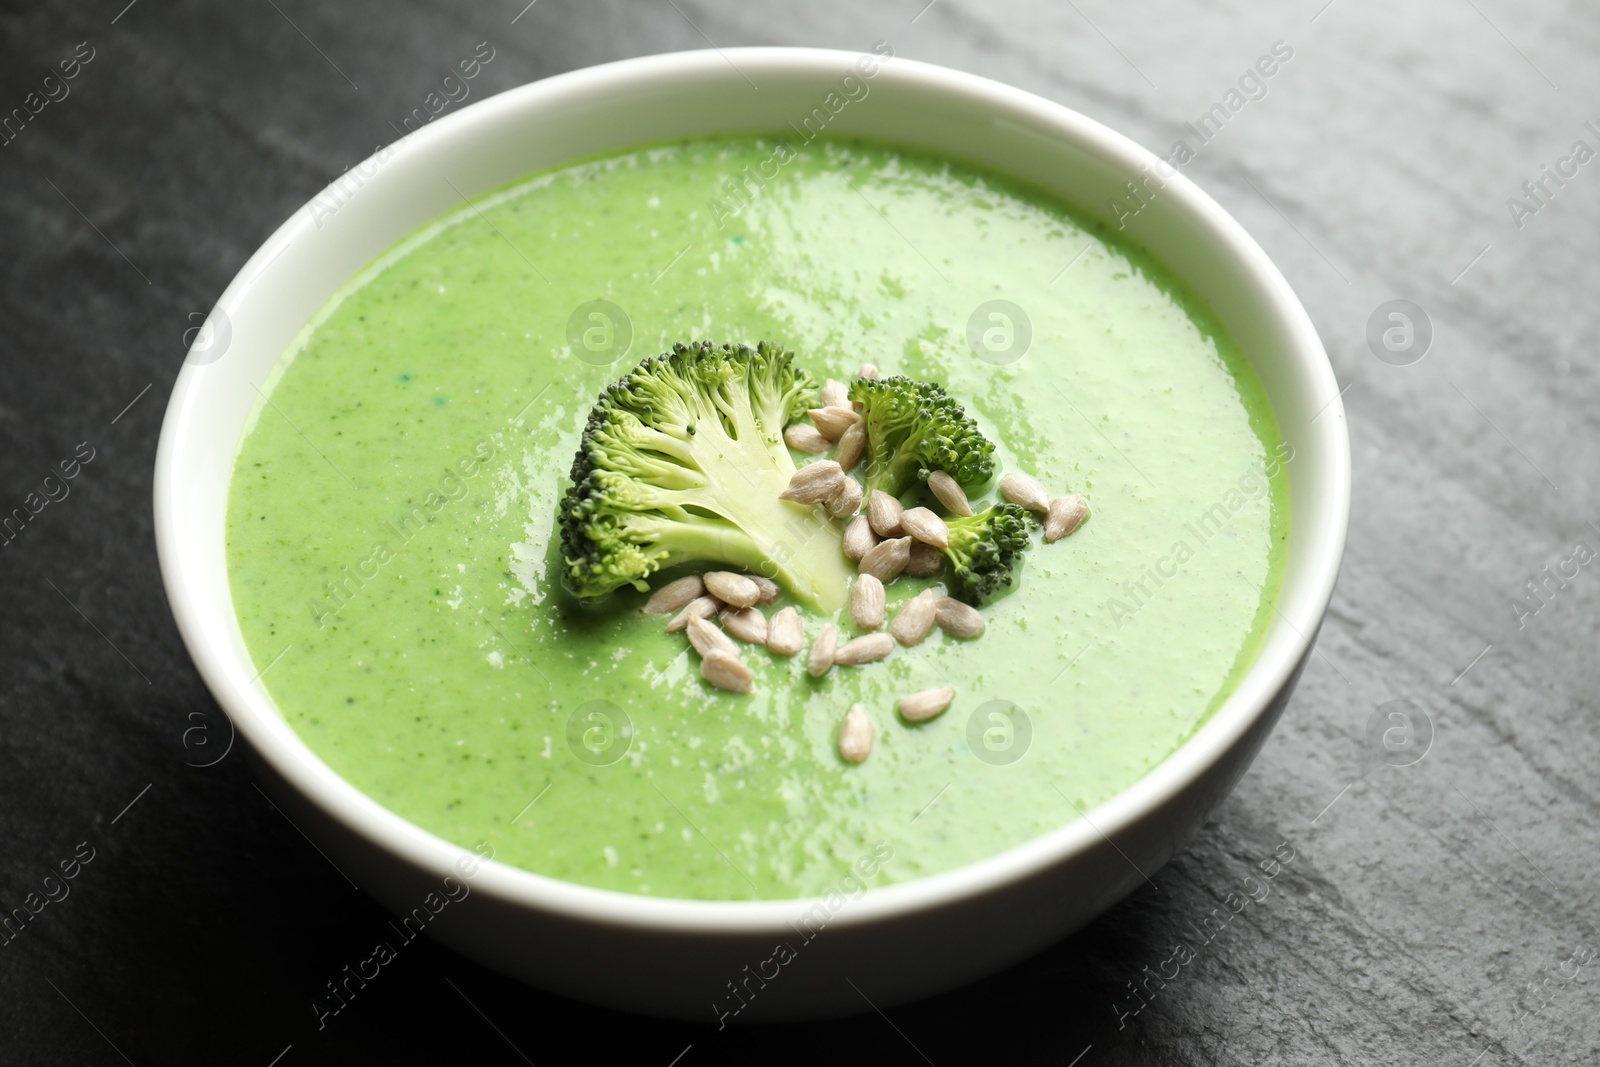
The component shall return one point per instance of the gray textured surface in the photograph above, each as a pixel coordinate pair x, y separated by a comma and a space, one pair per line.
1437, 913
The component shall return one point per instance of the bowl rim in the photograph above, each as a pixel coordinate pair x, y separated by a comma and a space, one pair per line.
1301, 608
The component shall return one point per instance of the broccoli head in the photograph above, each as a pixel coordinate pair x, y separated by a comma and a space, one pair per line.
914, 427
682, 460
983, 549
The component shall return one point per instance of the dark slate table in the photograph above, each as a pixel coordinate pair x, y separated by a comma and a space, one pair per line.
1439, 905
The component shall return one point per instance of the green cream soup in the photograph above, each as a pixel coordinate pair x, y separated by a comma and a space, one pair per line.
391, 518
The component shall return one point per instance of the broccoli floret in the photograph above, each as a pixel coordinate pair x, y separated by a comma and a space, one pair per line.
914, 427
683, 460
983, 548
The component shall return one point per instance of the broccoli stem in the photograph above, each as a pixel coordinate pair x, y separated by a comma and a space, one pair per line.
804, 553
799, 548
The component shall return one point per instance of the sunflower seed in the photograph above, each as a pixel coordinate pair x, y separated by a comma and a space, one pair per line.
747, 624
1023, 490
1066, 513
957, 619
925, 560
832, 422
855, 735
914, 619
925, 526
868, 371
858, 538
726, 671
705, 637
769, 588
847, 501
814, 483
949, 493
851, 444
835, 394
698, 608
920, 707
866, 649
822, 650
886, 559
674, 595
734, 590
786, 632
883, 512
866, 602
803, 438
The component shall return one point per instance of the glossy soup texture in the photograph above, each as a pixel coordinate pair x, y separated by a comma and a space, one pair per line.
390, 521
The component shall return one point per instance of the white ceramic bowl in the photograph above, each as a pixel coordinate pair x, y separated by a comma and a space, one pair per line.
677, 957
